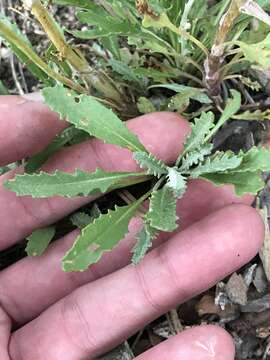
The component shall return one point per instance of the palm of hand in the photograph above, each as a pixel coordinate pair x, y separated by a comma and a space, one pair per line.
79, 316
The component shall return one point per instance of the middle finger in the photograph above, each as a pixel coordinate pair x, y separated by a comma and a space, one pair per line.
21, 215
43, 278
85, 324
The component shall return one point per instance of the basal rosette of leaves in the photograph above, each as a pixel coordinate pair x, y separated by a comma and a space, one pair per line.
185, 56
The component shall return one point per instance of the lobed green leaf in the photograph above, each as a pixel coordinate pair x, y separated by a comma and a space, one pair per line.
251, 52
68, 135
244, 182
233, 105
98, 237
153, 165
256, 159
125, 71
81, 219
39, 240
199, 130
195, 157
105, 23
145, 106
80, 183
176, 182
162, 211
144, 238
86, 4
257, 115
192, 92
3, 89
219, 162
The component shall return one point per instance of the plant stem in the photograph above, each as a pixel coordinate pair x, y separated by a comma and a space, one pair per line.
132, 181
95, 79
215, 59
182, 33
237, 59
57, 38
15, 40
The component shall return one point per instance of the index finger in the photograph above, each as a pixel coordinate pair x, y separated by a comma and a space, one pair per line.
26, 127
161, 133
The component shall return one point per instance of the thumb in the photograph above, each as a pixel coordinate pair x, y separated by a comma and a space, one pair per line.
200, 343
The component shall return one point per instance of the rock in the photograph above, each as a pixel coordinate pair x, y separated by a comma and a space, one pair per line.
249, 274
237, 289
250, 343
263, 77
265, 250
257, 305
221, 298
207, 306
260, 281
123, 352
263, 332
163, 330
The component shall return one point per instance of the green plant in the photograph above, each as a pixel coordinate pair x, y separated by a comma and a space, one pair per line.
185, 56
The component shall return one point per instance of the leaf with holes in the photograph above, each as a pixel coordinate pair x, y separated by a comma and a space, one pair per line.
87, 114
98, 237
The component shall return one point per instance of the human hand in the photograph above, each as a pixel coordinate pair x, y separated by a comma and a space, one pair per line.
77, 316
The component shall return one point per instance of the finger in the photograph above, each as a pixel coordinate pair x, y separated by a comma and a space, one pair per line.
5, 329
35, 213
97, 316
26, 127
48, 283
200, 343
203, 197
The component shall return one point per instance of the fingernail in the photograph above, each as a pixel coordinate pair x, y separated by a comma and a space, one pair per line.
34, 96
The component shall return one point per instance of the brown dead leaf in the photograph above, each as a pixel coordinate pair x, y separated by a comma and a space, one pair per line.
237, 289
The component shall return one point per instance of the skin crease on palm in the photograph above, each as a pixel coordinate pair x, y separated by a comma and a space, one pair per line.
47, 314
